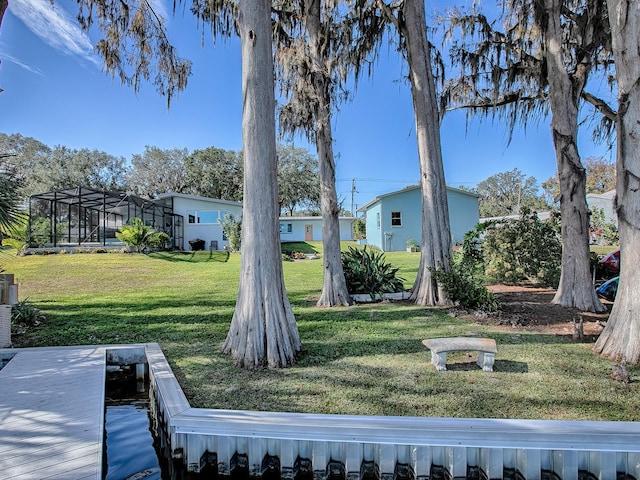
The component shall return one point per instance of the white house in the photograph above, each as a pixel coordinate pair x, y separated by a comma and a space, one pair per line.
604, 202
201, 215
200, 219
395, 218
308, 229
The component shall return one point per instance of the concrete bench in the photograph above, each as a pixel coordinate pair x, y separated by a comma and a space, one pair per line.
486, 348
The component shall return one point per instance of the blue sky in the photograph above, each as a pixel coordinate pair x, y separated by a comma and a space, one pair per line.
55, 91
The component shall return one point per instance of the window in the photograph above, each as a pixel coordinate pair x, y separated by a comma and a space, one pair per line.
286, 227
396, 219
378, 220
205, 216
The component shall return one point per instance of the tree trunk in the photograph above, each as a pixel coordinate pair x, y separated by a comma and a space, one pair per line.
334, 286
3, 8
263, 329
620, 339
435, 251
576, 286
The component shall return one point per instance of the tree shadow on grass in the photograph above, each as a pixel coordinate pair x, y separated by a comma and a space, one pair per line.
220, 256
302, 247
170, 308
502, 366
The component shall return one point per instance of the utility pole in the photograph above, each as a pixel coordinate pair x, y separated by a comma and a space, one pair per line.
353, 192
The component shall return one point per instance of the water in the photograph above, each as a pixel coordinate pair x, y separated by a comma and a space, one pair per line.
130, 453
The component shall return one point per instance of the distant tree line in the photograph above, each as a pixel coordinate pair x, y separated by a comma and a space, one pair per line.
209, 172
507, 193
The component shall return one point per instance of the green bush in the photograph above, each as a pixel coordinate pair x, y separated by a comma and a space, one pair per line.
472, 245
359, 229
139, 236
39, 232
464, 288
367, 272
24, 316
526, 250
605, 233
232, 230
286, 257
159, 240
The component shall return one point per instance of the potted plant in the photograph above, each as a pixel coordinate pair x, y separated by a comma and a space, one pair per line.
412, 245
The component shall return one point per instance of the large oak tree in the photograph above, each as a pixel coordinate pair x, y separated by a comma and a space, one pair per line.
507, 192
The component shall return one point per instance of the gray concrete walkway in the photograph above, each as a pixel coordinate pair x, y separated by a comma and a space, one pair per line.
51, 414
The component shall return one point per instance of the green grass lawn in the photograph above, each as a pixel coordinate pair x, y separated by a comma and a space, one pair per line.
366, 359
603, 250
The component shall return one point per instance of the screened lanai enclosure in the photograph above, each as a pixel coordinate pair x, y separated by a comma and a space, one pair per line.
83, 216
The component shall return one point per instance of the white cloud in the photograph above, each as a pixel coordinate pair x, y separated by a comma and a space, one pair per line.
9, 58
55, 26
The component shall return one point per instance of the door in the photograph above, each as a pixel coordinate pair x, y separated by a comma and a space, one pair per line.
308, 233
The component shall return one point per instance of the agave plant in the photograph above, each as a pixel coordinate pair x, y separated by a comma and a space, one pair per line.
367, 272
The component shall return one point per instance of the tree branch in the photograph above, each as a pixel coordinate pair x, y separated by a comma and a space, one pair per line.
388, 12
600, 105
500, 102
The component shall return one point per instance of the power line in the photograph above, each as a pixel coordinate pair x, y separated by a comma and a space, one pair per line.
379, 180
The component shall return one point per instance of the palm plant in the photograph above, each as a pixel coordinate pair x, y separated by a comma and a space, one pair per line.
140, 236
10, 212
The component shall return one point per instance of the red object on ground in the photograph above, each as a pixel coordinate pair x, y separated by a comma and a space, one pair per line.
612, 261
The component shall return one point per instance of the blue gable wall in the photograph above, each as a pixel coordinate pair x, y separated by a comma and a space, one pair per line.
463, 216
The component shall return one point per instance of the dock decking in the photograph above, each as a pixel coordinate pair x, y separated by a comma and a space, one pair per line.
51, 414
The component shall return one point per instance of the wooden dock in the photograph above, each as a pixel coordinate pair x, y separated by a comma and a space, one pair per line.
52, 413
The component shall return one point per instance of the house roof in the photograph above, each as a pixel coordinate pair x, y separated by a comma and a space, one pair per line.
198, 197
90, 198
408, 189
606, 195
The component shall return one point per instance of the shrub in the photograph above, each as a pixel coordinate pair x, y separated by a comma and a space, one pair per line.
232, 230
139, 236
159, 240
523, 250
602, 232
39, 232
464, 288
367, 272
286, 257
25, 315
472, 245
13, 243
359, 229
610, 234
412, 244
